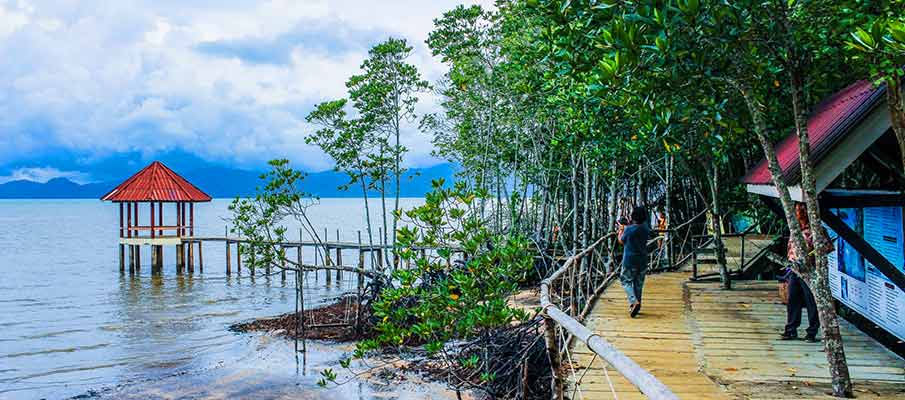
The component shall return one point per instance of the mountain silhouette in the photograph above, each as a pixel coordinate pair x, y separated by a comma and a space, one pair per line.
222, 182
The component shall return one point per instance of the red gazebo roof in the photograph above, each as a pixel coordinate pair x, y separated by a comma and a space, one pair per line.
156, 182
830, 122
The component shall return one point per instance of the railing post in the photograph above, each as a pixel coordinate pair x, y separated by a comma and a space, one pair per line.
694, 260
555, 357
742, 261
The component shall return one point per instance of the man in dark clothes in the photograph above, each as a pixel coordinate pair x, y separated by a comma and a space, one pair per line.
799, 292
634, 237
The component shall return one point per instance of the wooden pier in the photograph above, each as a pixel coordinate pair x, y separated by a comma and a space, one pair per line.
707, 343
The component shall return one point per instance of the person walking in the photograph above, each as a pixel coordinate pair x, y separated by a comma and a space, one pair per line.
634, 239
799, 292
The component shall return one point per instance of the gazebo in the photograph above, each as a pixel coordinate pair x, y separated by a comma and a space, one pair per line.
157, 186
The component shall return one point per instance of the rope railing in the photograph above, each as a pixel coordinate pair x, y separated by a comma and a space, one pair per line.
579, 282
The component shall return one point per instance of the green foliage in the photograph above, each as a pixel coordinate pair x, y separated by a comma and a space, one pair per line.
260, 219
436, 300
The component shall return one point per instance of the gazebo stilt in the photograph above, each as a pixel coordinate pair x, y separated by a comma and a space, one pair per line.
137, 258
131, 259
191, 256
155, 260
122, 258
180, 258
228, 260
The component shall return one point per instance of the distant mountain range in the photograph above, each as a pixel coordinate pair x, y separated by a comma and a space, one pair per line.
222, 182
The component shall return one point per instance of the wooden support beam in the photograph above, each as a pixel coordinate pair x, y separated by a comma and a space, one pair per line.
339, 258
191, 219
228, 260
128, 221
122, 255
191, 257
180, 258
131, 259
200, 258
153, 231
863, 247
239, 259
155, 259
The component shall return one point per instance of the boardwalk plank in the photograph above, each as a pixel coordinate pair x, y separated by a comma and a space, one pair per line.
707, 343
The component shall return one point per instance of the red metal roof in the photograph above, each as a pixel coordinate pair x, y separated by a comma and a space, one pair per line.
156, 182
830, 122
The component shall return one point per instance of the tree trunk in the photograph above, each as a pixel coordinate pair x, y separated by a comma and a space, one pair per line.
796, 238
611, 218
817, 275
364, 192
713, 180
383, 219
398, 172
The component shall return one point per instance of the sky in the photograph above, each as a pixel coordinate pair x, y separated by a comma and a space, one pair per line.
91, 90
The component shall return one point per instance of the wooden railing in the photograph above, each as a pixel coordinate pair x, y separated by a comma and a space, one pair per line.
580, 281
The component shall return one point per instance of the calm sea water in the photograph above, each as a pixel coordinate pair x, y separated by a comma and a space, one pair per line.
71, 324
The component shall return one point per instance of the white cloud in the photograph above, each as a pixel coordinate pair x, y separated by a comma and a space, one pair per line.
112, 77
43, 174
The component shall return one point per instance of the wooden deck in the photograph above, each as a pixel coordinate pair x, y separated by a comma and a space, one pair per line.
706, 343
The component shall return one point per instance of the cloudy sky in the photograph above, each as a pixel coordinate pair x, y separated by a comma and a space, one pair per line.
89, 88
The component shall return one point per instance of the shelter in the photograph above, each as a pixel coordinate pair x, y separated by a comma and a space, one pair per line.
860, 191
157, 186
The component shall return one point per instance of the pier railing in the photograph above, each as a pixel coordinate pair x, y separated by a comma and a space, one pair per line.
567, 297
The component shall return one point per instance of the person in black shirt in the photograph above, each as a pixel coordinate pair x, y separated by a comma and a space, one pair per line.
634, 238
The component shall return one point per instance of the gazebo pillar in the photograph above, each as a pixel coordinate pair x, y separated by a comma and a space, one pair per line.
180, 248
137, 233
122, 247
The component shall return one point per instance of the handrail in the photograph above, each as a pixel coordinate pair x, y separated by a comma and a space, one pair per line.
643, 380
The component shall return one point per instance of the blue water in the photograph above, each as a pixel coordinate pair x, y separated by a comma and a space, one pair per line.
71, 324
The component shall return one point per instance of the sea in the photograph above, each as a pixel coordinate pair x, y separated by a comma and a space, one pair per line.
73, 326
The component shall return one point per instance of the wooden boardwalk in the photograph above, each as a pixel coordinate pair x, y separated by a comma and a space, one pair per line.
706, 343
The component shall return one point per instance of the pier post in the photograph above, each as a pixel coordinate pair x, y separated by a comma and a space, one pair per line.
131, 259
155, 260
137, 258
228, 259
180, 258
122, 257
339, 262
283, 262
327, 261
239, 259
554, 356
339, 258
200, 258
191, 257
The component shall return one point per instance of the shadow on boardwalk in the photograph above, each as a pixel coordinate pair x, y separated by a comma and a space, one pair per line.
706, 343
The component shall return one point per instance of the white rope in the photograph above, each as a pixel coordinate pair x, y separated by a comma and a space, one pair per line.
609, 381
571, 365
